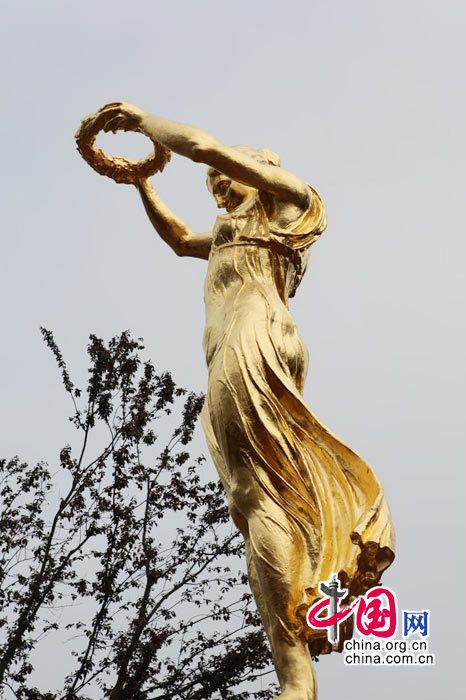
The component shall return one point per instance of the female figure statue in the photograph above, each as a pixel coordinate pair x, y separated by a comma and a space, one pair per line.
301, 498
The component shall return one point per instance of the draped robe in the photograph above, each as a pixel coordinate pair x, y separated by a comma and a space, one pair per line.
257, 423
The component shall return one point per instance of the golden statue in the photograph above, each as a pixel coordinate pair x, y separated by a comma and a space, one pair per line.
302, 499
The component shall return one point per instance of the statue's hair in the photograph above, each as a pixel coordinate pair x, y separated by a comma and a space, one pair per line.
263, 155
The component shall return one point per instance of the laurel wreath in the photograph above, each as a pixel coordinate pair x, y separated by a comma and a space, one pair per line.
120, 169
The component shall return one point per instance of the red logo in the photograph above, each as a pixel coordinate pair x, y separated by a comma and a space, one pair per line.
375, 612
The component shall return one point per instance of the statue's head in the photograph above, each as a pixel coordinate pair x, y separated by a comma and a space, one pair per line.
227, 192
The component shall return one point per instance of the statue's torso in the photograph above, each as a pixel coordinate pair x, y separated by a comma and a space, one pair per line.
251, 274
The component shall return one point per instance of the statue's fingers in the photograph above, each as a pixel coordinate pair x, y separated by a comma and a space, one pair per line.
101, 119
130, 124
115, 123
111, 110
110, 105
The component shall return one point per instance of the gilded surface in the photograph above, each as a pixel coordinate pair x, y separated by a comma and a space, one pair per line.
302, 499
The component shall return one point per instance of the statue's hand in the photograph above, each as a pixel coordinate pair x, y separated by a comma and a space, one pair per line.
120, 115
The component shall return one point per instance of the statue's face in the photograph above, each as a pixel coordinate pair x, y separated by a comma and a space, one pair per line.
219, 185
227, 193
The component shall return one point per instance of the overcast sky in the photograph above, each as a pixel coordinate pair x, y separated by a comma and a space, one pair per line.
366, 101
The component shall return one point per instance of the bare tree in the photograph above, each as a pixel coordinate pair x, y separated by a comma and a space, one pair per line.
139, 536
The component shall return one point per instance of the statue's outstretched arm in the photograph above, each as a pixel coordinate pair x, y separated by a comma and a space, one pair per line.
172, 229
200, 146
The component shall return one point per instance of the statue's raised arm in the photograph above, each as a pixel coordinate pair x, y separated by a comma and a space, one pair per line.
201, 147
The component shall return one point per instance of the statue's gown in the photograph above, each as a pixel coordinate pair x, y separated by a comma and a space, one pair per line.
255, 418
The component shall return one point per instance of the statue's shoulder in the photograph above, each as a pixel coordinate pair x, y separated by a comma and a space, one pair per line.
301, 225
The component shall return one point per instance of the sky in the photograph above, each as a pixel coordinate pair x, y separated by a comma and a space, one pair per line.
365, 100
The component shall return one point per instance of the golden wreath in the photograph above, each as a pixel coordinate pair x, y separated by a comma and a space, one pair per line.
120, 169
